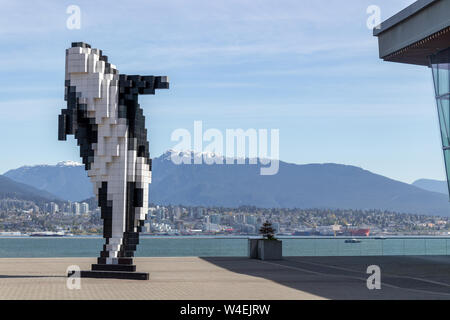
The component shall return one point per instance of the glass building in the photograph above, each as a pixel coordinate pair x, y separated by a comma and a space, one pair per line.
420, 35
440, 65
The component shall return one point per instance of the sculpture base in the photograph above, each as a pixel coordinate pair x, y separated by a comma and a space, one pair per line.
114, 267
112, 275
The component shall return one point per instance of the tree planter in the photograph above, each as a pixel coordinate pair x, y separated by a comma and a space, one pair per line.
264, 249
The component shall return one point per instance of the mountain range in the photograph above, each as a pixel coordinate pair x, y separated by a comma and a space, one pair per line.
66, 180
325, 185
10, 189
432, 185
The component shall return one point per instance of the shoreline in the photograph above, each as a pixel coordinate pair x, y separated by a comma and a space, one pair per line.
374, 237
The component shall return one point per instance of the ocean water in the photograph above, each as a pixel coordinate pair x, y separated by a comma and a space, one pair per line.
27, 247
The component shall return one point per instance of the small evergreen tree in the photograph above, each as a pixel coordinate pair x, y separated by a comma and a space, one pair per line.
267, 231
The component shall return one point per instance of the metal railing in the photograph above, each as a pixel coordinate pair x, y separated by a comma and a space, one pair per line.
227, 246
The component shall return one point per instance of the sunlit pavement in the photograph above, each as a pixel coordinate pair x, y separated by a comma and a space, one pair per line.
233, 278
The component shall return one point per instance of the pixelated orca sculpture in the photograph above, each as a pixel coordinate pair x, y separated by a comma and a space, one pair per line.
104, 115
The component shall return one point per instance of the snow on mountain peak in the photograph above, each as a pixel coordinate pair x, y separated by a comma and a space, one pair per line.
69, 163
190, 154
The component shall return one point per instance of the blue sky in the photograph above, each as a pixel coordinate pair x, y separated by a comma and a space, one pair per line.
308, 68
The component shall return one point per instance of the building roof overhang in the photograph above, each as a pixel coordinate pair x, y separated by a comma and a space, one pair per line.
415, 33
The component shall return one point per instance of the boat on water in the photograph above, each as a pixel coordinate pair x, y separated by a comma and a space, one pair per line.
380, 238
363, 232
353, 240
10, 234
47, 234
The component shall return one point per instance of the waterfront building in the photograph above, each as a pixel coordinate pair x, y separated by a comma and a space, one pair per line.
420, 35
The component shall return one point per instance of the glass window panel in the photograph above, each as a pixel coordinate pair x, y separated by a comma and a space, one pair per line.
444, 120
443, 80
440, 66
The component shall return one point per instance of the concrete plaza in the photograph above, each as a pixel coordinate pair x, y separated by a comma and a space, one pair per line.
187, 278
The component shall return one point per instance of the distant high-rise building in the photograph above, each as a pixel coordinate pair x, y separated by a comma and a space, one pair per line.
54, 208
239, 218
199, 212
84, 208
179, 225
276, 227
159, 213
215, 218
250, 219
75, 208
68, 207
177, 212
